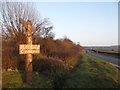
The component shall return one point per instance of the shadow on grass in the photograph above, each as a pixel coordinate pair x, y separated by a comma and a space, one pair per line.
52, 69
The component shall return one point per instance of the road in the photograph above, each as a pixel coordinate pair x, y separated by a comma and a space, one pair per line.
112, 60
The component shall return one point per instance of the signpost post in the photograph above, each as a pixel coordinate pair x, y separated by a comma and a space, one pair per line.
28, 49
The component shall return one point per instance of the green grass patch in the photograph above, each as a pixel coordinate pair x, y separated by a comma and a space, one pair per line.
14, 79
11, 79
92, 73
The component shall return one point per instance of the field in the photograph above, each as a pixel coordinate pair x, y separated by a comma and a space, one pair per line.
88, 72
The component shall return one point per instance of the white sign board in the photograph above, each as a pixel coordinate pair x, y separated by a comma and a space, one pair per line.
29, 49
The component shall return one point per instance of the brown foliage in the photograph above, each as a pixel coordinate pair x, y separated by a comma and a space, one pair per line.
14, 30
14, 33
62, 49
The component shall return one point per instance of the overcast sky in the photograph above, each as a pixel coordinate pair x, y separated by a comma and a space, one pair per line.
90, 23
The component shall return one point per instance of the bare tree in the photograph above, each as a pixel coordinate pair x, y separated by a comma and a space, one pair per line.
11, 14
13, 31
12, 23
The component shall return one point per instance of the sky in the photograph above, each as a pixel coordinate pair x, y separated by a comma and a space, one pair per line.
89, 23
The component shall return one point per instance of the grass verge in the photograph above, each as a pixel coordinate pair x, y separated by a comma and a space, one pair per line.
14, 79
85, 72
93, 73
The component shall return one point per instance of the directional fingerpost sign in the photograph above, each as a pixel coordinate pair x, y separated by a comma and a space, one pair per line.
28, 49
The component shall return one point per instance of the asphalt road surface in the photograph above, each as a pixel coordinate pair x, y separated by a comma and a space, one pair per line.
112, 60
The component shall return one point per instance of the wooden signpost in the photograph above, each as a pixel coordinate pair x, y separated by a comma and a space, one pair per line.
28, 49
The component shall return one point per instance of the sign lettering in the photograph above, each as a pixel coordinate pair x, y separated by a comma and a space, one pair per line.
29, 49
